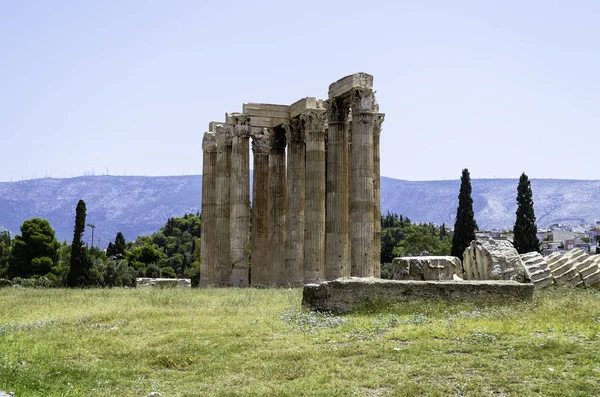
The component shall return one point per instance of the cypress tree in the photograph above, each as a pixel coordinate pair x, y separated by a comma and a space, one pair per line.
465, 225
120, 245
525, 237
79, 260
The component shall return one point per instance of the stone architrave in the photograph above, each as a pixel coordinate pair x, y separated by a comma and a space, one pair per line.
337, 222
313, 122
208, 271
362, 199
295, 189
240, 199
261, 148
223, 204
276, 199
379, 117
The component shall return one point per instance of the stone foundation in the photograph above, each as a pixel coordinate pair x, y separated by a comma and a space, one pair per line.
351, 294
425, 268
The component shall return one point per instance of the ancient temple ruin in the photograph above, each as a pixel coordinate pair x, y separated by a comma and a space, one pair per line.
315, 197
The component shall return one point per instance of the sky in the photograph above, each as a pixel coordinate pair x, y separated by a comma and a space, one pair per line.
129, 87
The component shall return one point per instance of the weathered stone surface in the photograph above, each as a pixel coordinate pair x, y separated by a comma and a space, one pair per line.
425, 268
348, 83
276, 211
563, 271
537, 270
379, 117
6, 394
585, 265
163, 282
208, 268
261, 147
350, 294
493, 260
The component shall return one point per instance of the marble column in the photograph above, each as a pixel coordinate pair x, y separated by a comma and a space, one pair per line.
379, 117
208, 273
313, 123
239, 220
261, 148
337, 261
276, 254
294, 214
361, 183
223, 204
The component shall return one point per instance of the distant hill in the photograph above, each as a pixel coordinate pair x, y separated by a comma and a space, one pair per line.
138, 205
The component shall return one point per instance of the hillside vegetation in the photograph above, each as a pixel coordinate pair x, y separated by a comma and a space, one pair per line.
227, 342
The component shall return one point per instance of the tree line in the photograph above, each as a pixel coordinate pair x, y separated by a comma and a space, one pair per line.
35, 257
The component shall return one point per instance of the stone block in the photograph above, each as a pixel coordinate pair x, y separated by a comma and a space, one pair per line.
493, 260
266, 110
298, 107
163, 282
537, 270
426, 268
212, 126
348, 83
350, 294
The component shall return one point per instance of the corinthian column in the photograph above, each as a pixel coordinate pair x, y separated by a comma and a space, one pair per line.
361, 183
294, 216
377, 196
313, 123
276, 255
208, 273
223, 205
240, 199
337, 260
261, 147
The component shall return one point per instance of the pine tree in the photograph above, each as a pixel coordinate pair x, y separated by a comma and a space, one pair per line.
465, 225
80, 262
525, 237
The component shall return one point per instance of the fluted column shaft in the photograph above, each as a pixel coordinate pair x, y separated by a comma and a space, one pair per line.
361, 184
377, 196
276, 254
208, 273
240, 201
223, 205
261, 147
295, 192
337, 262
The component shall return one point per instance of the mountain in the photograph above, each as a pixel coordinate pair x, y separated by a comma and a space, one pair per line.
136, 205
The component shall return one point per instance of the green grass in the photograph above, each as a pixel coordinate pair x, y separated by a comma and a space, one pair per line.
130, 342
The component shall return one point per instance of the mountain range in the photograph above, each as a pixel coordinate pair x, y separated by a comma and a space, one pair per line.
139, 205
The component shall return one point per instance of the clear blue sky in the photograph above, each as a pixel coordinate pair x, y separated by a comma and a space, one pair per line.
499, 87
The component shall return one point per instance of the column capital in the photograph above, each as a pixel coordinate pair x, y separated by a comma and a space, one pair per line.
338, 108
313, 120
261, 140
223, 133
240, 124
363, 101
209, 142
294, 131
379, 118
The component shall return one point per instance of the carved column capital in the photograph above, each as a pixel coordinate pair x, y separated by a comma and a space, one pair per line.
313, 120
294, 130
240, 125
337, 109
223, 133
379, 118
209, 142
363, 100
261, 141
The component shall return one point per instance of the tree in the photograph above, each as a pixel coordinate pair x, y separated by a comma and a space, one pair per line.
117, 249
35, 251
80, 262
465, 225
5, 243
525, 230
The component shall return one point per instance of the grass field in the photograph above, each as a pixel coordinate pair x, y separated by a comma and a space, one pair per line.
131, 342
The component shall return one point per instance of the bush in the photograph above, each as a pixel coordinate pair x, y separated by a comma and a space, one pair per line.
167, 272
5, 283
